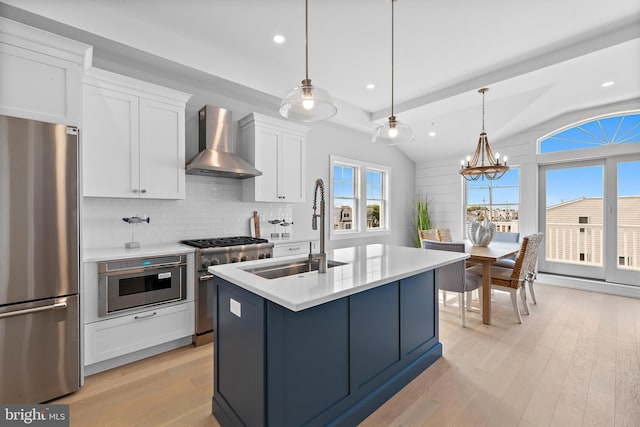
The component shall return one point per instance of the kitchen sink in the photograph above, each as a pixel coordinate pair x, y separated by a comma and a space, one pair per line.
275, 271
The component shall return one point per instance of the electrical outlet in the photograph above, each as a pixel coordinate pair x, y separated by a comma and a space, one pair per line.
235, 307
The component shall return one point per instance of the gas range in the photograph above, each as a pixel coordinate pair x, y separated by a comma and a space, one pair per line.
218, 242
215, 251
225, 250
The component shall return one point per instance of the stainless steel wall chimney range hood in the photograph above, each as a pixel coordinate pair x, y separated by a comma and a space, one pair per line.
217, 157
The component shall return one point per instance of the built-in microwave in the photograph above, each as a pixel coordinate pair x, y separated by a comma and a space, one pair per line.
137, 282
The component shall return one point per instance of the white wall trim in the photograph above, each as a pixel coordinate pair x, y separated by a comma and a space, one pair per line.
27, 37
125, 359
590, 285
118, 82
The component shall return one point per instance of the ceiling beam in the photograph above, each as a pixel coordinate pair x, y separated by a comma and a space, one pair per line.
626, 30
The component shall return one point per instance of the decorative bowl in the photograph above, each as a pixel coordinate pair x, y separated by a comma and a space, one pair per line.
480, 232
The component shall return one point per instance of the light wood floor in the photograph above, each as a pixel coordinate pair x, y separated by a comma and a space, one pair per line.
574, 361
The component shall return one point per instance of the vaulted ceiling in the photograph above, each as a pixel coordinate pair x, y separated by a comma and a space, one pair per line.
540, 59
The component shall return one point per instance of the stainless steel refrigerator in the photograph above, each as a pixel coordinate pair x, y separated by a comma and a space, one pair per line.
39, 261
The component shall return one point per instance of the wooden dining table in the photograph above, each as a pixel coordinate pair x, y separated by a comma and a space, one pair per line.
486, 256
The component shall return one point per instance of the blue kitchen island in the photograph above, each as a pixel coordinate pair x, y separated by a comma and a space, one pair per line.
323, 349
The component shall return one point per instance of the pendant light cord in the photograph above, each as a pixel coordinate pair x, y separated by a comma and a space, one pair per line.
392, 51
306, 39
483, 91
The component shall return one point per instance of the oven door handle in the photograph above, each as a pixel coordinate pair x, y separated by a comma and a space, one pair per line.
141, 269
206, 277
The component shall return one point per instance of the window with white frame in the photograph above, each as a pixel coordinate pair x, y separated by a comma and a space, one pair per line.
497, 199
344, 196
375, 199
359, 198
588, 172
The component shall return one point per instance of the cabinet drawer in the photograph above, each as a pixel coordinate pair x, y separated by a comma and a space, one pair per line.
110, 338
298, 248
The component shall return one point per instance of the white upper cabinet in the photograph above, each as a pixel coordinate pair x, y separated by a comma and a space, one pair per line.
40, 74
133, 138
277, 148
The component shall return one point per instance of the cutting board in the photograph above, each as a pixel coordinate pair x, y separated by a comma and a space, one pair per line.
254, 225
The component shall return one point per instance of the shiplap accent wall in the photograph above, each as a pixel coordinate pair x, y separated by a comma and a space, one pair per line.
444, 186
441, 185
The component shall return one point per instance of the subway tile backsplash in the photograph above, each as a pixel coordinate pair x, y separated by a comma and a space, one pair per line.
213, 207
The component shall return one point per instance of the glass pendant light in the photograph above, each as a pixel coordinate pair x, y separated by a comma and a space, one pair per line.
307, 103
392, 132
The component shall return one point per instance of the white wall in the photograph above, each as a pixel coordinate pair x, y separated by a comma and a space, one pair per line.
331, 139
213, 206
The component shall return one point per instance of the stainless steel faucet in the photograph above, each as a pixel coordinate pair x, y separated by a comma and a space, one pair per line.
322, 256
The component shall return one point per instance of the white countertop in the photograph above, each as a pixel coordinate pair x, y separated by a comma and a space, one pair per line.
367, 267
103, 254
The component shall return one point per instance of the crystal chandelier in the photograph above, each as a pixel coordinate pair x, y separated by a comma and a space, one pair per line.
307, 103
392, 132
492, 169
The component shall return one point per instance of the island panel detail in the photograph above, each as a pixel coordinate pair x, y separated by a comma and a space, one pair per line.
332, 364
375, 327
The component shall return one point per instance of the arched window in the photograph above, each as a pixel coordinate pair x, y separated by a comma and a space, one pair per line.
590, 199
616, 129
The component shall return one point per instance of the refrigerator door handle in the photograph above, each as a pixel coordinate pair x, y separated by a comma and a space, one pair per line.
55, 306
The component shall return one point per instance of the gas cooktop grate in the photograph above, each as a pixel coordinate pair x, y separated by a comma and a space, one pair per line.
219, 242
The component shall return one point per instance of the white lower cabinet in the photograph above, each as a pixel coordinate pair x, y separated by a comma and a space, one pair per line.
295, 248
115, 337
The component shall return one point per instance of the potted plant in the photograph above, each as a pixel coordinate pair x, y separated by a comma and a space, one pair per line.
422, 218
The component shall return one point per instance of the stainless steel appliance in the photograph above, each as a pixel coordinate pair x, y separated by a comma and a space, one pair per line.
216, 251
216, 156
39, 261
130, 283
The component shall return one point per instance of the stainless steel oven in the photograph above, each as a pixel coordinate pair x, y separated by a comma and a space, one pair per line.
131, 283
214, 251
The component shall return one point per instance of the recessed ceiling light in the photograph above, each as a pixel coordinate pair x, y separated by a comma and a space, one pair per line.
607, 84
278, 38
370, 85
432, 132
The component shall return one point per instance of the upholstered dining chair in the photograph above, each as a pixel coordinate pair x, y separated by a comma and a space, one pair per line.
536, 241
454, 277
513, 280
445, 235
533, 274
513, 237
431, 234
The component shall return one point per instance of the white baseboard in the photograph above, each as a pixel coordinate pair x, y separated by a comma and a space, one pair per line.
135, 356
590, 285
